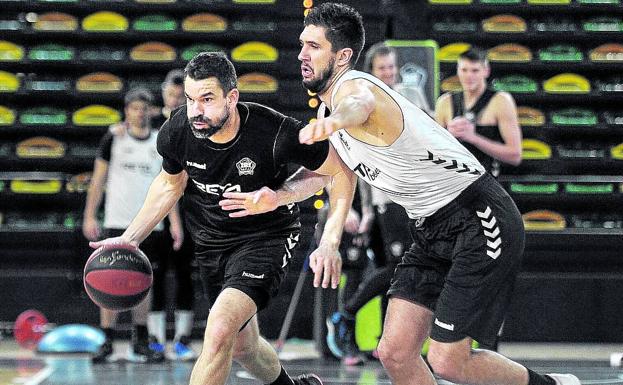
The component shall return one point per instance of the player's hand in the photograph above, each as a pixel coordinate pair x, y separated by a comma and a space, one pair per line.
326, 264
352, 223
461, 128
251, 203
90, 229
318, 130
115, 241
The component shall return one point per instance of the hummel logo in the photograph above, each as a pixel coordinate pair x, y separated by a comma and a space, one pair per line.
444, 325
196, 165
249, 275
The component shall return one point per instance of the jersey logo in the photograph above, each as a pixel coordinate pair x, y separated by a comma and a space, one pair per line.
201, 166
216, 189
245, 166
343, 140
451, 164
366, 172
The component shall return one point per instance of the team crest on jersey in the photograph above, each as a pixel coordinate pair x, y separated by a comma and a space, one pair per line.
245, 166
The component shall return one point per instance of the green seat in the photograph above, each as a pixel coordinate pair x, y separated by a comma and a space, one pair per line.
43, 115
603, 24
561, 52
534, 188
549, 2
500, 1
51, 52
589, 188
189, 52
155, 23
515, 83
574, 117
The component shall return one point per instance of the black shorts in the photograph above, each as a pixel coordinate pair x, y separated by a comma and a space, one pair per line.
254, 266
463, 263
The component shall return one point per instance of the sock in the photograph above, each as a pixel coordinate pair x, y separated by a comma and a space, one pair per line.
110, 334
539, 379
157, 326
140, 333
283, 379
183, 323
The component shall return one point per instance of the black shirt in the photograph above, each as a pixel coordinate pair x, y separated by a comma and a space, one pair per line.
258, 156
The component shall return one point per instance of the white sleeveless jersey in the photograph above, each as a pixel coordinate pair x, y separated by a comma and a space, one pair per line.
133, 165
423, 170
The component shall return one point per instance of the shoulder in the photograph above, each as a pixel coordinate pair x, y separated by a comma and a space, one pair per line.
503, 99
260, 111
444, 100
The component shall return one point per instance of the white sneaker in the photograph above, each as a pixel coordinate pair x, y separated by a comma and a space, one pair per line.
564, 379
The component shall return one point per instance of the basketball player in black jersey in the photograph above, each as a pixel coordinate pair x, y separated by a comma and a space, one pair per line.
216, 144
483, 120
455, 281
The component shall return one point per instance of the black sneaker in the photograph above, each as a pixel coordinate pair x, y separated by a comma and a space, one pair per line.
103, 354
140, 352
307, 379
340, 334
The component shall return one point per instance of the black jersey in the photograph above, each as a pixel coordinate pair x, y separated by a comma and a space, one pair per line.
258, 156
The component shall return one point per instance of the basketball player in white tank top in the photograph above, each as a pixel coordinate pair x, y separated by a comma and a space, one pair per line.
455, 281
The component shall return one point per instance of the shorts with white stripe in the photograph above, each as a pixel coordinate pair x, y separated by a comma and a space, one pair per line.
463, 263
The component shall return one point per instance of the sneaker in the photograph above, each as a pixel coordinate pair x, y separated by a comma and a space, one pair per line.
182, 350
103, 354
155, 345
564, 379
307, 379
341, 335
140, 352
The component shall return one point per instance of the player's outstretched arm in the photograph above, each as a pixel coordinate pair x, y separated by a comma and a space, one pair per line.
163, 193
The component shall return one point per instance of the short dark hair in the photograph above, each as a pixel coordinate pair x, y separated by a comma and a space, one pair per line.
212, 64
175, 77
343, 24
378, 49
474, 54
138, 93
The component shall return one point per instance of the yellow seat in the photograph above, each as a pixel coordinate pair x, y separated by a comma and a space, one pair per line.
256, 82
616, 152
204, 22
544, 220
9, 82
567, 83
504, 23
96, 115
105, 21
40, 147
99, 82
450, 53
153, 51
55, 21
256, 52
10, 51
533, 149
7, 116
23, 186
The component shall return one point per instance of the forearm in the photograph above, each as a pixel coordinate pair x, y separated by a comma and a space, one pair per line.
341, 191
93, 201
174, 216
500, 151
161, 198
300, 186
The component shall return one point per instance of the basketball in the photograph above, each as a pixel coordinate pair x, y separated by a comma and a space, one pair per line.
117, 277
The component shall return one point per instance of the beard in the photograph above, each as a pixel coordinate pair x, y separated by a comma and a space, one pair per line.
319, 84
213, 125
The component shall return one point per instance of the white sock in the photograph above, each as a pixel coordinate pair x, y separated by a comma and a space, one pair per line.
183, 323
157, 325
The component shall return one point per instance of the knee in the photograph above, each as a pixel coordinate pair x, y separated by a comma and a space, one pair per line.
219, 337
393, 354
445, 364
244, 352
